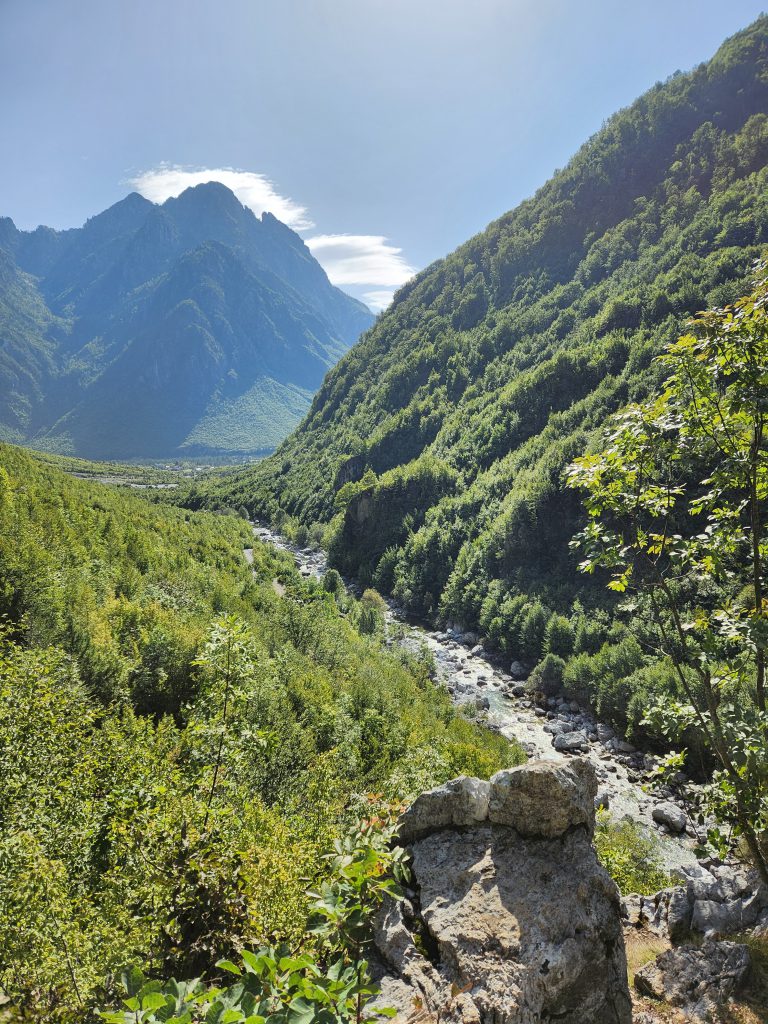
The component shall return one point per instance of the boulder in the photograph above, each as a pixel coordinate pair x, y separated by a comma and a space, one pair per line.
698, 979
460, 802
678, 914
604, 732
517, 670
554, 728
544, 798
671, 815
710, 918
574, 740
517, 921
602, 800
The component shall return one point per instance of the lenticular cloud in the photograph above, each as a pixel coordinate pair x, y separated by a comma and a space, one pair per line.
361, 259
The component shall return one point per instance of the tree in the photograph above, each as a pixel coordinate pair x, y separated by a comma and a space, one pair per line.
228, 658
333, 583
547, 676
677, 506
372, 615
532, 630
558, 636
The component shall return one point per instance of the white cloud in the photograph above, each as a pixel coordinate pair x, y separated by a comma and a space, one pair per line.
361, 260
253, 190
378, 300
358, 262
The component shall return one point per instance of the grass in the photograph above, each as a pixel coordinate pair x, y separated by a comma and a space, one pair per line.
642, 946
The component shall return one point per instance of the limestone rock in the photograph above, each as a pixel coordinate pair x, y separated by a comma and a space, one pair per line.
699, 979
603, 800
518, 922
671, 815
574, 740
678, 914
460, 802
723, 900
604, 732
710, 918
544, 798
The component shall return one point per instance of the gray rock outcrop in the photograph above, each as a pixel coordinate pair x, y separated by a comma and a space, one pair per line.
669, 814
698, 979
714, 901
574, 740
511, 919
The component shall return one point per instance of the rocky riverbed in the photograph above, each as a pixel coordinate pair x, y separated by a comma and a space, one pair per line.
554, 729
711, 899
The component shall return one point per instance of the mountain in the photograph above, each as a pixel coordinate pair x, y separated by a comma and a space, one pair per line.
189, 328
436, 447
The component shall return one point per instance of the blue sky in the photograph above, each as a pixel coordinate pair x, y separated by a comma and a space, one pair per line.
386, 131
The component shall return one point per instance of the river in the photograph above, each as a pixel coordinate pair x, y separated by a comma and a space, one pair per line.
473, 677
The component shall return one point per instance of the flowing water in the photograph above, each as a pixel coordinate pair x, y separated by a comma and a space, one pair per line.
470, 675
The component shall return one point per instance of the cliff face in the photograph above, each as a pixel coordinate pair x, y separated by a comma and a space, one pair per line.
511, 918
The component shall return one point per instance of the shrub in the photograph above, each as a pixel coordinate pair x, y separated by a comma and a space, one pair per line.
547, 676
629, 855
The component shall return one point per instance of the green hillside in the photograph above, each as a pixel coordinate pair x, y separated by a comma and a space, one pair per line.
436, 447
121, 624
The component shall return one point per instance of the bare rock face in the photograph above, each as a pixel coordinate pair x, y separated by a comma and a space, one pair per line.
544, 798
720, 900
458, 803
513, 920
698, 979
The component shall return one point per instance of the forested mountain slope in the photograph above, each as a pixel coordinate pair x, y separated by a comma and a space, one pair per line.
133, 639
189, 328
437, 445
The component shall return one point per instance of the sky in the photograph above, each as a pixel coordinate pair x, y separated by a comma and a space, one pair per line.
386, 132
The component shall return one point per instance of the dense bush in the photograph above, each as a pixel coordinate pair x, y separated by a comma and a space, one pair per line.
547, 676
171, 840
630, 855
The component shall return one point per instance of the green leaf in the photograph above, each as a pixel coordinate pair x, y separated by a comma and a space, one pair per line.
227, 965
153, 1001
301, 1011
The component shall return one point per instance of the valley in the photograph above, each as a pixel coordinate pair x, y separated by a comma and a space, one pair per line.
476, 680
409, 665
